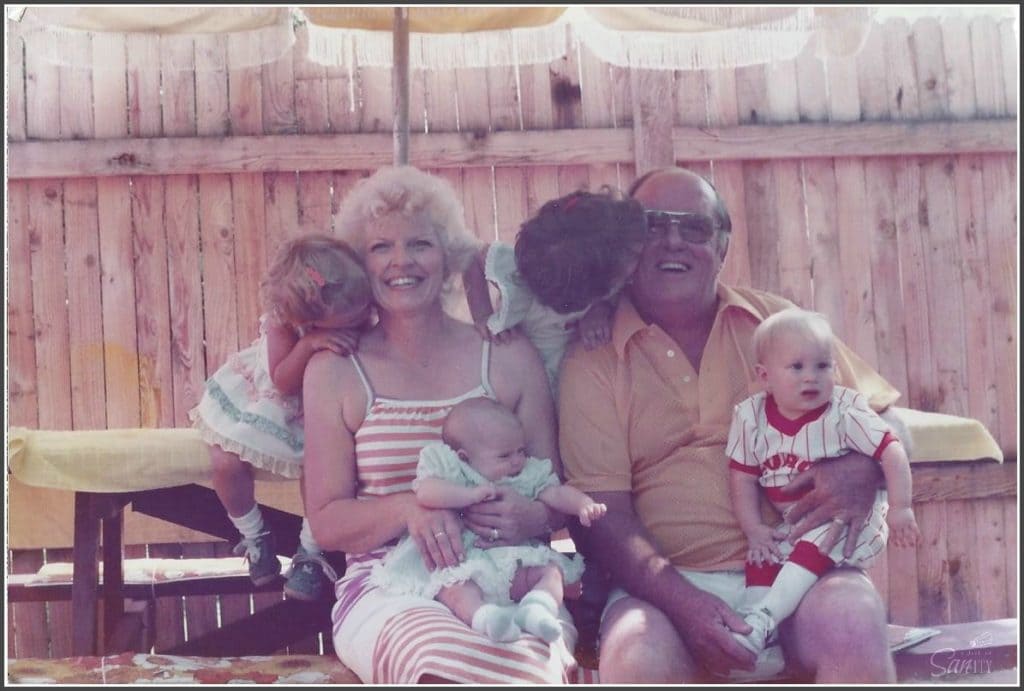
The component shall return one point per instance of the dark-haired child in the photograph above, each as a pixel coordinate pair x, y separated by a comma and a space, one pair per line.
568, 264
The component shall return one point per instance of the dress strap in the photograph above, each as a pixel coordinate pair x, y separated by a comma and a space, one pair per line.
485, 369
366, 381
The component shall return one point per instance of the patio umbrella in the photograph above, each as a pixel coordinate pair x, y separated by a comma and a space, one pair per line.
423, 37
667, 37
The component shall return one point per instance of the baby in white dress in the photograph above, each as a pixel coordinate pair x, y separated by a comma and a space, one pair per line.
484, 447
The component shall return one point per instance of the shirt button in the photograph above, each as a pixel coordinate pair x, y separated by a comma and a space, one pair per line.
671, 353
687, 379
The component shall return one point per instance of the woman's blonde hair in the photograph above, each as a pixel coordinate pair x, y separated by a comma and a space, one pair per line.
411, 193
313, 277
812, 325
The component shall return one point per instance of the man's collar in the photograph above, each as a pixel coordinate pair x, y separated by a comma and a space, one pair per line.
628, 322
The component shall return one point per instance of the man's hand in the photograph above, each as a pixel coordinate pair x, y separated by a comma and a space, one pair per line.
843, 491
706, 624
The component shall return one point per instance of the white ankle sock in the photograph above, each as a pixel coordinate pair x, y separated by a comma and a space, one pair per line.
251, 524
496, 622
538, 614
306, 538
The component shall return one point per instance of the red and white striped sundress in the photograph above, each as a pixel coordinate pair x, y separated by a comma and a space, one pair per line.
387, 639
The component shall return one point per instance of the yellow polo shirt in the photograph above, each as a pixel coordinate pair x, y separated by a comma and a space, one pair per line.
634, 416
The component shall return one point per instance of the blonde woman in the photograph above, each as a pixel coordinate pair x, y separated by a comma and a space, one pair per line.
368, 416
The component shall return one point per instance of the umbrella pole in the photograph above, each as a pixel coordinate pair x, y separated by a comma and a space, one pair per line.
400, 84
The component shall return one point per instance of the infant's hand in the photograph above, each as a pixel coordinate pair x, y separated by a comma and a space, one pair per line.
591, 512
595, 326
763, 546
903, 530
485, 493
340, 341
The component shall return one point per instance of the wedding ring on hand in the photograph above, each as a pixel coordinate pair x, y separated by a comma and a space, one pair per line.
440, 533
494, 534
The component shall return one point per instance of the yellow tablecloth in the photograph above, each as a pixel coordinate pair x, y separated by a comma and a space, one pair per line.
124, 460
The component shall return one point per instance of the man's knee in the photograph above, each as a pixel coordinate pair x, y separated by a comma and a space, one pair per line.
640, 645
840, 627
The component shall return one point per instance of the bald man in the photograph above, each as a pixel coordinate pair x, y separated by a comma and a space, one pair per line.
643, 425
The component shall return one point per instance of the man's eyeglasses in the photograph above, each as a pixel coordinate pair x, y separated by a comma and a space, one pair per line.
693, 227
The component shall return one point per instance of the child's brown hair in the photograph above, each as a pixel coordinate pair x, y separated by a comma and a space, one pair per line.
572, 252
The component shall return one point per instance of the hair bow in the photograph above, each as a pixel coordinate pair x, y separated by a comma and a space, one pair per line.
315, 276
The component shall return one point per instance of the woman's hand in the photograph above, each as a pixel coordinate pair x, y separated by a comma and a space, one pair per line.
438, 535
508, 519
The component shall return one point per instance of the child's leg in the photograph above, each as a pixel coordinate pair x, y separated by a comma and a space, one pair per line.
310, 576
234, 483
538, 608
306, 538
466, 601
799, 572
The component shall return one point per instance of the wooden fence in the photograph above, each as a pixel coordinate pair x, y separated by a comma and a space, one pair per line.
880, 189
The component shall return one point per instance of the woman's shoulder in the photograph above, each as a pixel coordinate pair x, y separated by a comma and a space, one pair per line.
330, 371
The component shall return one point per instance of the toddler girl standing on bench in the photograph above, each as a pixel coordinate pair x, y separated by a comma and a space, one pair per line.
316, 296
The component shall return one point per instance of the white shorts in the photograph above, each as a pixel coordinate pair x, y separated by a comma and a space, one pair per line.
730, 586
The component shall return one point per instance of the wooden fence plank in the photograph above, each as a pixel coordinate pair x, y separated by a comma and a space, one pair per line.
170, 610
990, 550
999, 175
22, 391
758, 186
536, 93
312, 116
246, 112
280, 188
15, 91
49, 300
879, 310
200, 611
829, 274
964, 591
932, 571
723, 111
82, 261
979, 373
58, 614
150, 247
216, 225
114, 217
787, 192
181, 216
45, 229
1009, 41
1002, 230
85, 311
939, 230
652, 121
1011, 516
598, 94
31, 635
567, 113
21, 358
